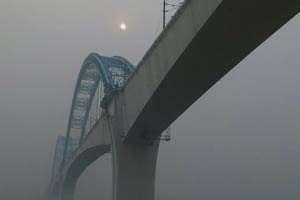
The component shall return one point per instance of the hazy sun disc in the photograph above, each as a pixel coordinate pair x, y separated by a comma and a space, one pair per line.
123, 26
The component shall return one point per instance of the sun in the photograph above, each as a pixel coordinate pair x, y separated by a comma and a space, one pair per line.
123, 26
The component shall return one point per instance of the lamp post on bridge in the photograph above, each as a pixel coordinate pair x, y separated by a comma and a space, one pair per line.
168, 7
164, 14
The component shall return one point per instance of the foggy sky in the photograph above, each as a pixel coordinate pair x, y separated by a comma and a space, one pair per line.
239, 141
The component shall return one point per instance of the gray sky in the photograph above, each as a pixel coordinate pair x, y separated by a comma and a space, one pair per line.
239, 141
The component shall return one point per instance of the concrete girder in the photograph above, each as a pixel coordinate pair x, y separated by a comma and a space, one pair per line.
203, 42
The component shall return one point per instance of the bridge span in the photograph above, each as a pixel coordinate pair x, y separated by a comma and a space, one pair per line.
119, 109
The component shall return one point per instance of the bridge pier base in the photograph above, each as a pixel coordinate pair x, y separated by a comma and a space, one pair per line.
68, 193
134, 165
134, 172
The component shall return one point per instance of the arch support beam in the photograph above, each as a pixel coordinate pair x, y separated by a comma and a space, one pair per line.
95, 145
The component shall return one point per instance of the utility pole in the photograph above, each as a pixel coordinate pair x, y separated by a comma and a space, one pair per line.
164, 14
169, 7
167, 136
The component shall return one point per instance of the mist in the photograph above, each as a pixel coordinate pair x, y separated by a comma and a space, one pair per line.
238, 141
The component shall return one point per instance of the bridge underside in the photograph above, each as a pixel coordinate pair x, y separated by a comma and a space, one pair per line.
194, 54
78, 166
97, 143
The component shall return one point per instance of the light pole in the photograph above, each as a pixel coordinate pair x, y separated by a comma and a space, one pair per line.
164, 14
171, 6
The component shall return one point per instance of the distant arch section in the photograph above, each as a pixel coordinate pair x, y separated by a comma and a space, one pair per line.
98, 78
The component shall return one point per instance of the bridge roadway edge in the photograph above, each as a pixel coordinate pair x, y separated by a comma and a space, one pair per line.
205, 41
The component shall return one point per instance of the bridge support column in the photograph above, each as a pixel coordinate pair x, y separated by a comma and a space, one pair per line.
134, 172
134, 164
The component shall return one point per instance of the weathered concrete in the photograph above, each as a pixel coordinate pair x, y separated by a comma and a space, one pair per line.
204, 41
133, 164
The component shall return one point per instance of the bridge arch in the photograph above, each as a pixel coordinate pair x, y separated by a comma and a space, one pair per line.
98, 78
95, 127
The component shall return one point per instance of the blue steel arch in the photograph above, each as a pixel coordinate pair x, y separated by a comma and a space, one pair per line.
110, 73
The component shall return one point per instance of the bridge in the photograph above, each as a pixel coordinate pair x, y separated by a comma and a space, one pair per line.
124, 109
